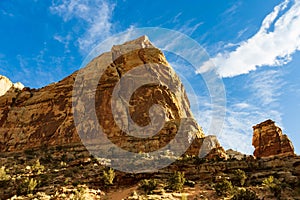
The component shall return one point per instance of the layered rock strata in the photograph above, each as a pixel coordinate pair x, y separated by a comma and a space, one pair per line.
268, 140
135, 84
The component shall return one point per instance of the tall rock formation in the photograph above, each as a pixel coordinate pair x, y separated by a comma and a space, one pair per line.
6, 84
268, 140
44, 117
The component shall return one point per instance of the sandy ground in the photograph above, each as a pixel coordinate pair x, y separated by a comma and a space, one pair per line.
198, 192
120, 194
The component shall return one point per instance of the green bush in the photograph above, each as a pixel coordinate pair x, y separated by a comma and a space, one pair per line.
108, 176
176, 181
148, 185
239, 177
3, 175
273, 185
244, 194
223, 188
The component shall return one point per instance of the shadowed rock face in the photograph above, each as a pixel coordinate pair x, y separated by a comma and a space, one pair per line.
44, 117
268, 140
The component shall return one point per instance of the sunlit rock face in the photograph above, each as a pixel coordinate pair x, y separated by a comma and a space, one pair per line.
45, 117
6, 84
268, 140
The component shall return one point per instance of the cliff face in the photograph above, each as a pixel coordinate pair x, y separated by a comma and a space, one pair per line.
33, 118
44, 117
268, 140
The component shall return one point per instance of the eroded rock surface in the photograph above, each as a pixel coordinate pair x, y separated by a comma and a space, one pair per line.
268, 140
44, 117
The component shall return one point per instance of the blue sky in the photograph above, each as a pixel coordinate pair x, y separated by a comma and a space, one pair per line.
253, 44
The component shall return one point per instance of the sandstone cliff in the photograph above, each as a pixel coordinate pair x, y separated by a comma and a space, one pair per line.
44, 117
268, 140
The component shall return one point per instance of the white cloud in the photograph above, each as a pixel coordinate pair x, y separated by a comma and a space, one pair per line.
95, 16
273, 45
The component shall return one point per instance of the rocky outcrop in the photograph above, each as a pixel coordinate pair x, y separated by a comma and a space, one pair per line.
6, 84
268, 140
44, 117
232, 154
211, 148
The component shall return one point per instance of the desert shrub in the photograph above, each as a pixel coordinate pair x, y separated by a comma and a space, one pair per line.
148, 185
79, 194
244, 194
108, 176
27, 186
3, 175
37, 167
32, 183
223, 188
273, 185
176, 181
239, 177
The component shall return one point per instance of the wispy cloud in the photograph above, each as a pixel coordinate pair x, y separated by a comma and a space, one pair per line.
267, 86
231, 10
95, 16
64, 40
189, 27
273, 45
